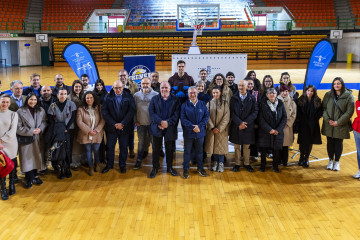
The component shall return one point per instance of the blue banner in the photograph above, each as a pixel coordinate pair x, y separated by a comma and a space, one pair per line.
318, 62
80, 59
139, 67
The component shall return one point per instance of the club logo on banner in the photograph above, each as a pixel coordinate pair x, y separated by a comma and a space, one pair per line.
79, 58
139, 72
318, 62
139, 67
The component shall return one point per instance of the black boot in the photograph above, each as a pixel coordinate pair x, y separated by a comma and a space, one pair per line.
68, 171
62, 172
4, 194
306, 163
301, 161
11, 182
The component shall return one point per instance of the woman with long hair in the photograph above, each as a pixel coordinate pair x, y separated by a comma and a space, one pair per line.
76, 94
32, 122
91, 123
309, 112
100, 90
216, 139
338, 106
252, 75
219, 80
8, 127
267, 83
286, 81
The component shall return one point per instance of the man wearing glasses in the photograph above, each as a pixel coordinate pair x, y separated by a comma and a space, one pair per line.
118, 110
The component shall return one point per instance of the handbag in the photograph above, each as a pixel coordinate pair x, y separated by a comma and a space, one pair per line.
6, 165
25, 140
349, 122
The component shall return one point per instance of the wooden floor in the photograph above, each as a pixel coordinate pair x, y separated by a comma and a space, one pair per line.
296, 203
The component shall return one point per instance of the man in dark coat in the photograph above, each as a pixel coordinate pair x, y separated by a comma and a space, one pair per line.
194, 116
230, 77
155, 85
243, 113
35, 85
118, 110
46, 98
181, 81
164, 113
272, 120
59, 83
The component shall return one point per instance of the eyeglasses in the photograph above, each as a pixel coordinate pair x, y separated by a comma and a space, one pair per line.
117, 88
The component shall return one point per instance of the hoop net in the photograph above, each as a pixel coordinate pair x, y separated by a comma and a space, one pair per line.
198, 28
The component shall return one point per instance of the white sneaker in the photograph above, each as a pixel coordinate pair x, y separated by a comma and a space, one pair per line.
357, 175
221, 167
336, 166
215, 165
330, 165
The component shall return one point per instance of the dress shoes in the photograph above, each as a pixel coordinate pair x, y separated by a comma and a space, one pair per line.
37, 181
153, 173
123, 169
186, 173
27, 184
276, 169
137, 165
262, 169
249, 168
106, 169
236, 168
172, 171
306, 163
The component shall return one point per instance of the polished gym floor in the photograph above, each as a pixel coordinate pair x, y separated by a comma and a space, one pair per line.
296, 203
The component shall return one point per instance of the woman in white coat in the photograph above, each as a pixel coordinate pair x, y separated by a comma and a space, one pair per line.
8, 124
31, 124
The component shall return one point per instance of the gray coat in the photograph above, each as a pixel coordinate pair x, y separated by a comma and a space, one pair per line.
8, 124
31, 155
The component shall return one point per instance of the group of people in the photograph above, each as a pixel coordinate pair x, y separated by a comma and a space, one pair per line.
78, 124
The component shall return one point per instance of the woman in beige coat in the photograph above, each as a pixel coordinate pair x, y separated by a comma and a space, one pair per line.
216, 139
32, 122
91, 123
290, 108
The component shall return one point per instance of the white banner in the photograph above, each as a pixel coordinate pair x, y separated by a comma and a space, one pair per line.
213, 63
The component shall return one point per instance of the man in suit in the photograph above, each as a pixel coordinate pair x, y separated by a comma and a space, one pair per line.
118, 110
35, 85
17, 99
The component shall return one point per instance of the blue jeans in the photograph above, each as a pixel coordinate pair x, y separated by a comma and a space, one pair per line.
357, 142
112, 138
219, 158
198, 149
144, 139
90, 149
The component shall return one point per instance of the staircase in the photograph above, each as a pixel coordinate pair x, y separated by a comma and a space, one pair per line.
344, 15
116, 4
259, 3
34, 16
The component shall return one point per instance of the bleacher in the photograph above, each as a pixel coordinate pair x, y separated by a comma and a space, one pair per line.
65, 14
355, 5
257, 47
12, 14
309, 13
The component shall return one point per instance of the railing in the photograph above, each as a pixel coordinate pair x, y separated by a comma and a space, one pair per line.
96, 27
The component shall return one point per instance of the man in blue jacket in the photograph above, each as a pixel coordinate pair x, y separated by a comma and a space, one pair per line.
194, 115
118, 110
164, 113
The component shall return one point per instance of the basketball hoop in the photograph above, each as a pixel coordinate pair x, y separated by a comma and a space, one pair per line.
199, 28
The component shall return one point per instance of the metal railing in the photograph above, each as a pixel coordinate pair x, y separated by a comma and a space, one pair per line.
96, 27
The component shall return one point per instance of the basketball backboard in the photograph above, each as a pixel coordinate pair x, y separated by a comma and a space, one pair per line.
190, 15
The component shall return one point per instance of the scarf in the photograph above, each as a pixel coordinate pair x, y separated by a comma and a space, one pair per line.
273, 106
